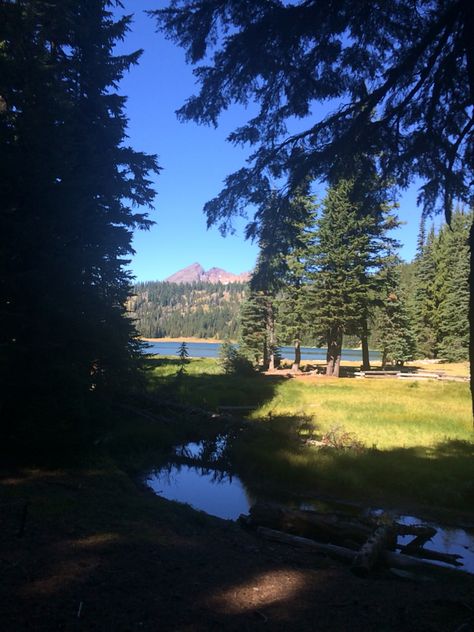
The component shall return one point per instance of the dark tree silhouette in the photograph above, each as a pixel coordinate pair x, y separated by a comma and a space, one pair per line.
70, 190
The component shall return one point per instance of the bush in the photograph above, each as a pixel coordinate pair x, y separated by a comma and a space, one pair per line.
232, 362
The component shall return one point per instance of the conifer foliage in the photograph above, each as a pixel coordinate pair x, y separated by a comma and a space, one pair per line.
68, 186
441, 301
351, 250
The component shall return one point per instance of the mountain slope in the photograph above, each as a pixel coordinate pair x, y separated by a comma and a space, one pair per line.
195, 273
200, 309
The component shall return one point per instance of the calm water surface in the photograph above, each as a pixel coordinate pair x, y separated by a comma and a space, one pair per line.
211, 350
225, 496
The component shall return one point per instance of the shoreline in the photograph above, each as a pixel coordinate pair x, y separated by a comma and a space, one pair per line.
185, 339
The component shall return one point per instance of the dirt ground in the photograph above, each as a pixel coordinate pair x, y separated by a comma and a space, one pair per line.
94, 550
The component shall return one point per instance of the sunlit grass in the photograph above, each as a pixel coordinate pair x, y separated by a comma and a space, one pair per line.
417, 437
384, 413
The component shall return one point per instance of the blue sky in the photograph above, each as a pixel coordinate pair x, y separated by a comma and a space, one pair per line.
194, 160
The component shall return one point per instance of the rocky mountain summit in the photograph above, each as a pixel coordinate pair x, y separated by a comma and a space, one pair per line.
196, 273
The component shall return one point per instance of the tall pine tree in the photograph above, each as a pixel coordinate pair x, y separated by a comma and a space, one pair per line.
351, 248
394, 336
454, 300
68, 185
426, 301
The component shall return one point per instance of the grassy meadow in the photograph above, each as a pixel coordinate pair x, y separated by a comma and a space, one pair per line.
389, 441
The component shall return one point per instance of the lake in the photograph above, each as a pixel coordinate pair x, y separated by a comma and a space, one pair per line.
211, 350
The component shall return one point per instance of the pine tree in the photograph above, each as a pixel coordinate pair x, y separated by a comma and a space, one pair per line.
253, 328
293, 318
454, 301
351, 247
394, 335
426, 302
68, 185
183, 355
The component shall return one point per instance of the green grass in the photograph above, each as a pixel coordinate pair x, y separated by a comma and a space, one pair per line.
417, 437
382, 413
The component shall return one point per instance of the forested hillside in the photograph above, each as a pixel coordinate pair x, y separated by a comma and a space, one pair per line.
203, 310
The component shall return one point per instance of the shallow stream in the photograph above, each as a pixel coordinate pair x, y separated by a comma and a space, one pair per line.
221, 494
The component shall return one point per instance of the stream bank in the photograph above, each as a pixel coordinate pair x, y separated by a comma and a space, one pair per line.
138, 562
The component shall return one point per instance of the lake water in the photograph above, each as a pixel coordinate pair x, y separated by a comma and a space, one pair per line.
225, 496
211, 350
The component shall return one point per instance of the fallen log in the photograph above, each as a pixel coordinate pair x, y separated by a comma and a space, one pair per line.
325, 527
395, 560
429, 554
418, 530
415, 544
332, 550
368, 556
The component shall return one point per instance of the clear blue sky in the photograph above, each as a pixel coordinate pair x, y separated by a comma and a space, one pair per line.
194, 161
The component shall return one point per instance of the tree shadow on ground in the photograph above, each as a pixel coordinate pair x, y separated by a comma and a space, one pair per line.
281, 455
99, 555
211, 390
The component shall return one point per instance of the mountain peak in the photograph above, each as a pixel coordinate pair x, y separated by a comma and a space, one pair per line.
195, 273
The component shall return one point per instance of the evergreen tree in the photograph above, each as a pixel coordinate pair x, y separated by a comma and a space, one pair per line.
421, 240
277, 269
293, 318
253, 328
183, 355
426, 300
401, 75
351, 248
394, 336
68, 184
454, 302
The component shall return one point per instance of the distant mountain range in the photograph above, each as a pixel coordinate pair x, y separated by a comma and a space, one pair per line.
195, 273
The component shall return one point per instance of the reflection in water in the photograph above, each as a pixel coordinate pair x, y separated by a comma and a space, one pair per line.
221, 494
217, 493
446, 540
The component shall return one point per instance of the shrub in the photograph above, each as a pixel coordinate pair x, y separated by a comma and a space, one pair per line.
232, 362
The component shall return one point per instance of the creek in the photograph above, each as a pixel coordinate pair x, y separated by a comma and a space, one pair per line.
219, 493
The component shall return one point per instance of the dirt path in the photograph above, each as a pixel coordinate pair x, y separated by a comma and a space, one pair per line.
98, 553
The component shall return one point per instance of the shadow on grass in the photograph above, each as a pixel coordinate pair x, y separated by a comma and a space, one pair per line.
280, 455
210, 390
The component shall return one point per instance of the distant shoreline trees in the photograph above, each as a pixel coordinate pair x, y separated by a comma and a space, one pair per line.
391, 297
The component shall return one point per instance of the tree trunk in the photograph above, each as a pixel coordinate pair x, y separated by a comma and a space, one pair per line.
273, 357
373, 550
396, 560
364, 339
265, 358
297, 360
333, 356
471, 313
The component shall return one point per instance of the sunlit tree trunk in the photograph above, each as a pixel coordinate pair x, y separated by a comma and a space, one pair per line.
297, 360
364, 339
334, 352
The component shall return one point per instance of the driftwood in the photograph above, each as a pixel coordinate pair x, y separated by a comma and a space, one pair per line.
368, 556
340, 536
324, 527
395, 560
332, 550
429, 554
418, 530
